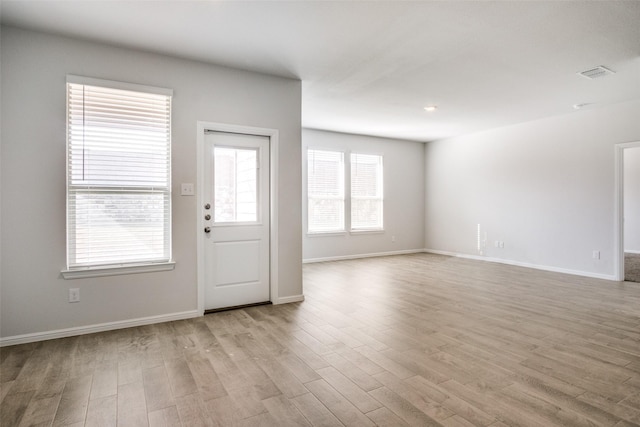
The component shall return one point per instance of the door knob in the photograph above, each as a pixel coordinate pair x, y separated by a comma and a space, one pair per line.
207, 229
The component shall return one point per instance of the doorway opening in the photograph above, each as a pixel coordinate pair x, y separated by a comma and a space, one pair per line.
628, 211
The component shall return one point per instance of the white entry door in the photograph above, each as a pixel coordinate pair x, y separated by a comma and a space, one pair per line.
236, 213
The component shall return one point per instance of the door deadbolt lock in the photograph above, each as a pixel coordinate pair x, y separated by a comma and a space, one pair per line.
207, 229
207, 217
207, 206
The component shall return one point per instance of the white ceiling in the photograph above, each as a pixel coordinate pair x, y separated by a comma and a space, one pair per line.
369, 67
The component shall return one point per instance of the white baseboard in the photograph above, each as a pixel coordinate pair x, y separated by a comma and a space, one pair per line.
525, 264
287, 300
101, 327
631, 251
371, 255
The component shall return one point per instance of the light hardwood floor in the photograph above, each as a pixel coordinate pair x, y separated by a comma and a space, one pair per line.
415, 340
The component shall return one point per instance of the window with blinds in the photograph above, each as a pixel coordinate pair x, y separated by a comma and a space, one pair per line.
118, 174
366, 192
325, 190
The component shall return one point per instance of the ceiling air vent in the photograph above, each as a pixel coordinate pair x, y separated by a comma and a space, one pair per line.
596, 73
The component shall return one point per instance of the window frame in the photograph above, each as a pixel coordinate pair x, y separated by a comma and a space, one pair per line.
123, 266
343, 197
347, 196
379, 197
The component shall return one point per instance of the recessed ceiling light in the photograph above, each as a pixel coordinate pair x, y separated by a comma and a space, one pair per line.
431, 108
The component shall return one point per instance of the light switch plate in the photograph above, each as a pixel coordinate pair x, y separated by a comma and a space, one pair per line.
187, 190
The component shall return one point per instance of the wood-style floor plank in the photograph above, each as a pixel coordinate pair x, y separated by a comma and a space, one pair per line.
157, 390
192, 411
344, 410
102, 412
40, 411
383, 417
285, 412
411, 340
403, 408
315, 412
74, 401
433, 409
14, 406
132, 405
166, 417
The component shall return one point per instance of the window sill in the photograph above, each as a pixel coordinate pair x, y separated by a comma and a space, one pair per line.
82, 273
364, 231
344, 233
327, 234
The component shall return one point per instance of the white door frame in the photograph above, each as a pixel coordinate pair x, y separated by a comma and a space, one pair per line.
618, 248
272, 134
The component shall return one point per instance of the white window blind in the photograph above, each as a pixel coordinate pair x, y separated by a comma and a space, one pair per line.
119, 174
325, 189
366, 192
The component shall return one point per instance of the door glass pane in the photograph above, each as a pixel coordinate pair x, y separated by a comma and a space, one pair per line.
235, 184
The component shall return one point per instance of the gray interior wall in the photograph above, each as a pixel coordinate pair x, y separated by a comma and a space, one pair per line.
544, 188
403, 197
34, 67
632, 200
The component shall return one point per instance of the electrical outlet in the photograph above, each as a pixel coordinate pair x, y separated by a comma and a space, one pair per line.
74, 295
187, 189
393, 238
596, 255
501, 244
